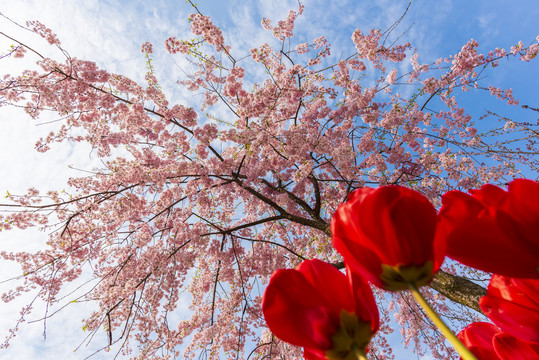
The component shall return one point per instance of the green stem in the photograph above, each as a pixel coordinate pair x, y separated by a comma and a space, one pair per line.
358, 352
461, 349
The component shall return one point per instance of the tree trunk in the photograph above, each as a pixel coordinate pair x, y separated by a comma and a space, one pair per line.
453, 287
458, 289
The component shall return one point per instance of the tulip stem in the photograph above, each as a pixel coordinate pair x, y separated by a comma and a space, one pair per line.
358, 352
461, 349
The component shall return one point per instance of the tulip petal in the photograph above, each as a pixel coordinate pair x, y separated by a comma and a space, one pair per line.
332, 286
512, 318
511, 304
477, 337
360, 259
313, 354
511, 348
293, 311
524, 292
522, 200
405, 229
366, 310
490, 195
488, 237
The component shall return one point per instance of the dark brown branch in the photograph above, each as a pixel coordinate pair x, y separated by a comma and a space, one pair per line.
295, 198
243, 226
272, 243
320, 225
113, 192
316, 187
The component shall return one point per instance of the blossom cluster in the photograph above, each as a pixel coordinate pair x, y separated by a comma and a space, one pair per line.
174, 46
202, 25
43, 31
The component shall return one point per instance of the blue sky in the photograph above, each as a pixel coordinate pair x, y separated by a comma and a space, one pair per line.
110, 33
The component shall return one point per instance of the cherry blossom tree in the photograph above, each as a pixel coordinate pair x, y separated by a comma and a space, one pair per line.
212, 200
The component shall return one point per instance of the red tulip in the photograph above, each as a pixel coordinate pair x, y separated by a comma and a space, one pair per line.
478, 338
321, 309
494, 230
513, 305
387, 235
487, 342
